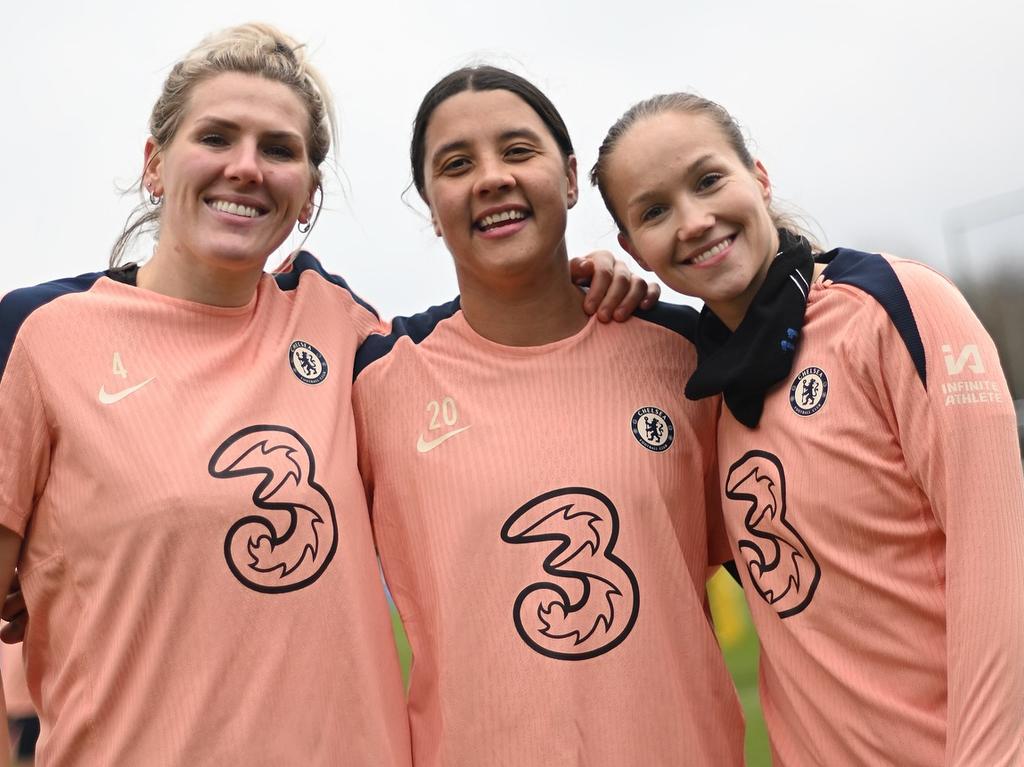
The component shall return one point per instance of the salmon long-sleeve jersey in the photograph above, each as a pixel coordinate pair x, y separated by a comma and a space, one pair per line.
197, 560
540, 517
877, 519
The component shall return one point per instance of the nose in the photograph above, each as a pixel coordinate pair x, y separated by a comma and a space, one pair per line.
243, 163
493, 175
693, 220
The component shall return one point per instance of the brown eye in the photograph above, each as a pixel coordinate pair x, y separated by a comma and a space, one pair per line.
519, 153
455, 166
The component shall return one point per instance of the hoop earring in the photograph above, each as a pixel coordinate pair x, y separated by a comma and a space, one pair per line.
304, 227
155, 199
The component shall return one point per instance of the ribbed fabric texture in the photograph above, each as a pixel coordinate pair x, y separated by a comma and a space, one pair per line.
878, 524
137, 434
548, 566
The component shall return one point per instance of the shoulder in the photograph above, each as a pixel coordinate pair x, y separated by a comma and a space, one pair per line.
415, 328
681, 320
307, 266
887, 284
890, 281
17, 306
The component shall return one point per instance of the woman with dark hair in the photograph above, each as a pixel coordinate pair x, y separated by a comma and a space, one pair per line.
537, 481
870, 472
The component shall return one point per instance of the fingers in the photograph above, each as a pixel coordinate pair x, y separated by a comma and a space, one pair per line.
653, 293
14, 602
598, 269
618, 301
640, 295
581, 269
14, 632
615, 290
14, 613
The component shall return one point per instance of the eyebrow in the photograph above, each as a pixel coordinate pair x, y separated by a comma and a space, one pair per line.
649, 194
220, 122
462, 144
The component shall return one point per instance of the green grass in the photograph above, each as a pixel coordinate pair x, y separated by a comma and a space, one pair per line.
741, 655
742, 658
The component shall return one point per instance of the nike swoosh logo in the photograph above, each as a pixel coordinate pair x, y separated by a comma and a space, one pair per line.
107, 398
425, 447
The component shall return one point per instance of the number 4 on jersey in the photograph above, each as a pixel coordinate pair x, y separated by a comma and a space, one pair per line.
118, 366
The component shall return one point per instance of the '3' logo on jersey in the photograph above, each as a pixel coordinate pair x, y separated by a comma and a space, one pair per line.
592, 603
290, 544
781, 567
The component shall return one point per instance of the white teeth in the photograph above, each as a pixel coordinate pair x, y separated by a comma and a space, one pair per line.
711, 252
234, 209
497, 218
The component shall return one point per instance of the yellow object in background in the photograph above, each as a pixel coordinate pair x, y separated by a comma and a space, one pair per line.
732, 623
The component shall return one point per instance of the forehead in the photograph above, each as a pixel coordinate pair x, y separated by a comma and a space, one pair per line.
670, 136
668, 140
248, 99
472, 116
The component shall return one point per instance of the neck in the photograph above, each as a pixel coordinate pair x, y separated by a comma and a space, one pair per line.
192, 280
532, 309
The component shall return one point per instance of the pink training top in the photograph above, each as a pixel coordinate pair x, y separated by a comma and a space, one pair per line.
198, 561
877, 518
540, 516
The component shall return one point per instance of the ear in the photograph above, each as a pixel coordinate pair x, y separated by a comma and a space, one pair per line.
152, 168
306, 214
627, 245
573, 190
433, 219
761, 176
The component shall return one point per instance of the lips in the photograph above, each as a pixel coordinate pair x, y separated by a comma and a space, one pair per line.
706, 254
240, 209
496, 218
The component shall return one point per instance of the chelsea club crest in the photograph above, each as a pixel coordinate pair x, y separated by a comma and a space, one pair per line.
653, 429
809, 390
307, 363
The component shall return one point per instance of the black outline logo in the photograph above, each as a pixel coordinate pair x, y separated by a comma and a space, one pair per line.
658, 429
593, 604
781, 567
307, 363
290, 546
811, 385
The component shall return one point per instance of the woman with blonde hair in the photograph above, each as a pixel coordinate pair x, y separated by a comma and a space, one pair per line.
177, 452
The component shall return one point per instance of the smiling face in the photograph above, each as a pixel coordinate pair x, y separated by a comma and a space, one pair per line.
235, 177
497, 185
691, 211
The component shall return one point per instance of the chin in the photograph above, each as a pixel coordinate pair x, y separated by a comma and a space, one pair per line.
238, 254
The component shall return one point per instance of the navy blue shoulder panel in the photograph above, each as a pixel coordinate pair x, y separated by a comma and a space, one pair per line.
677, 318
17, 305
305, 261
416, 328
876, 277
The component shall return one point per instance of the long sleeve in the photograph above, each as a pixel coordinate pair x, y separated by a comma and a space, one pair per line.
958, 434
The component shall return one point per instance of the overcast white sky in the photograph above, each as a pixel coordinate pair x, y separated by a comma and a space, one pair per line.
880, 119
